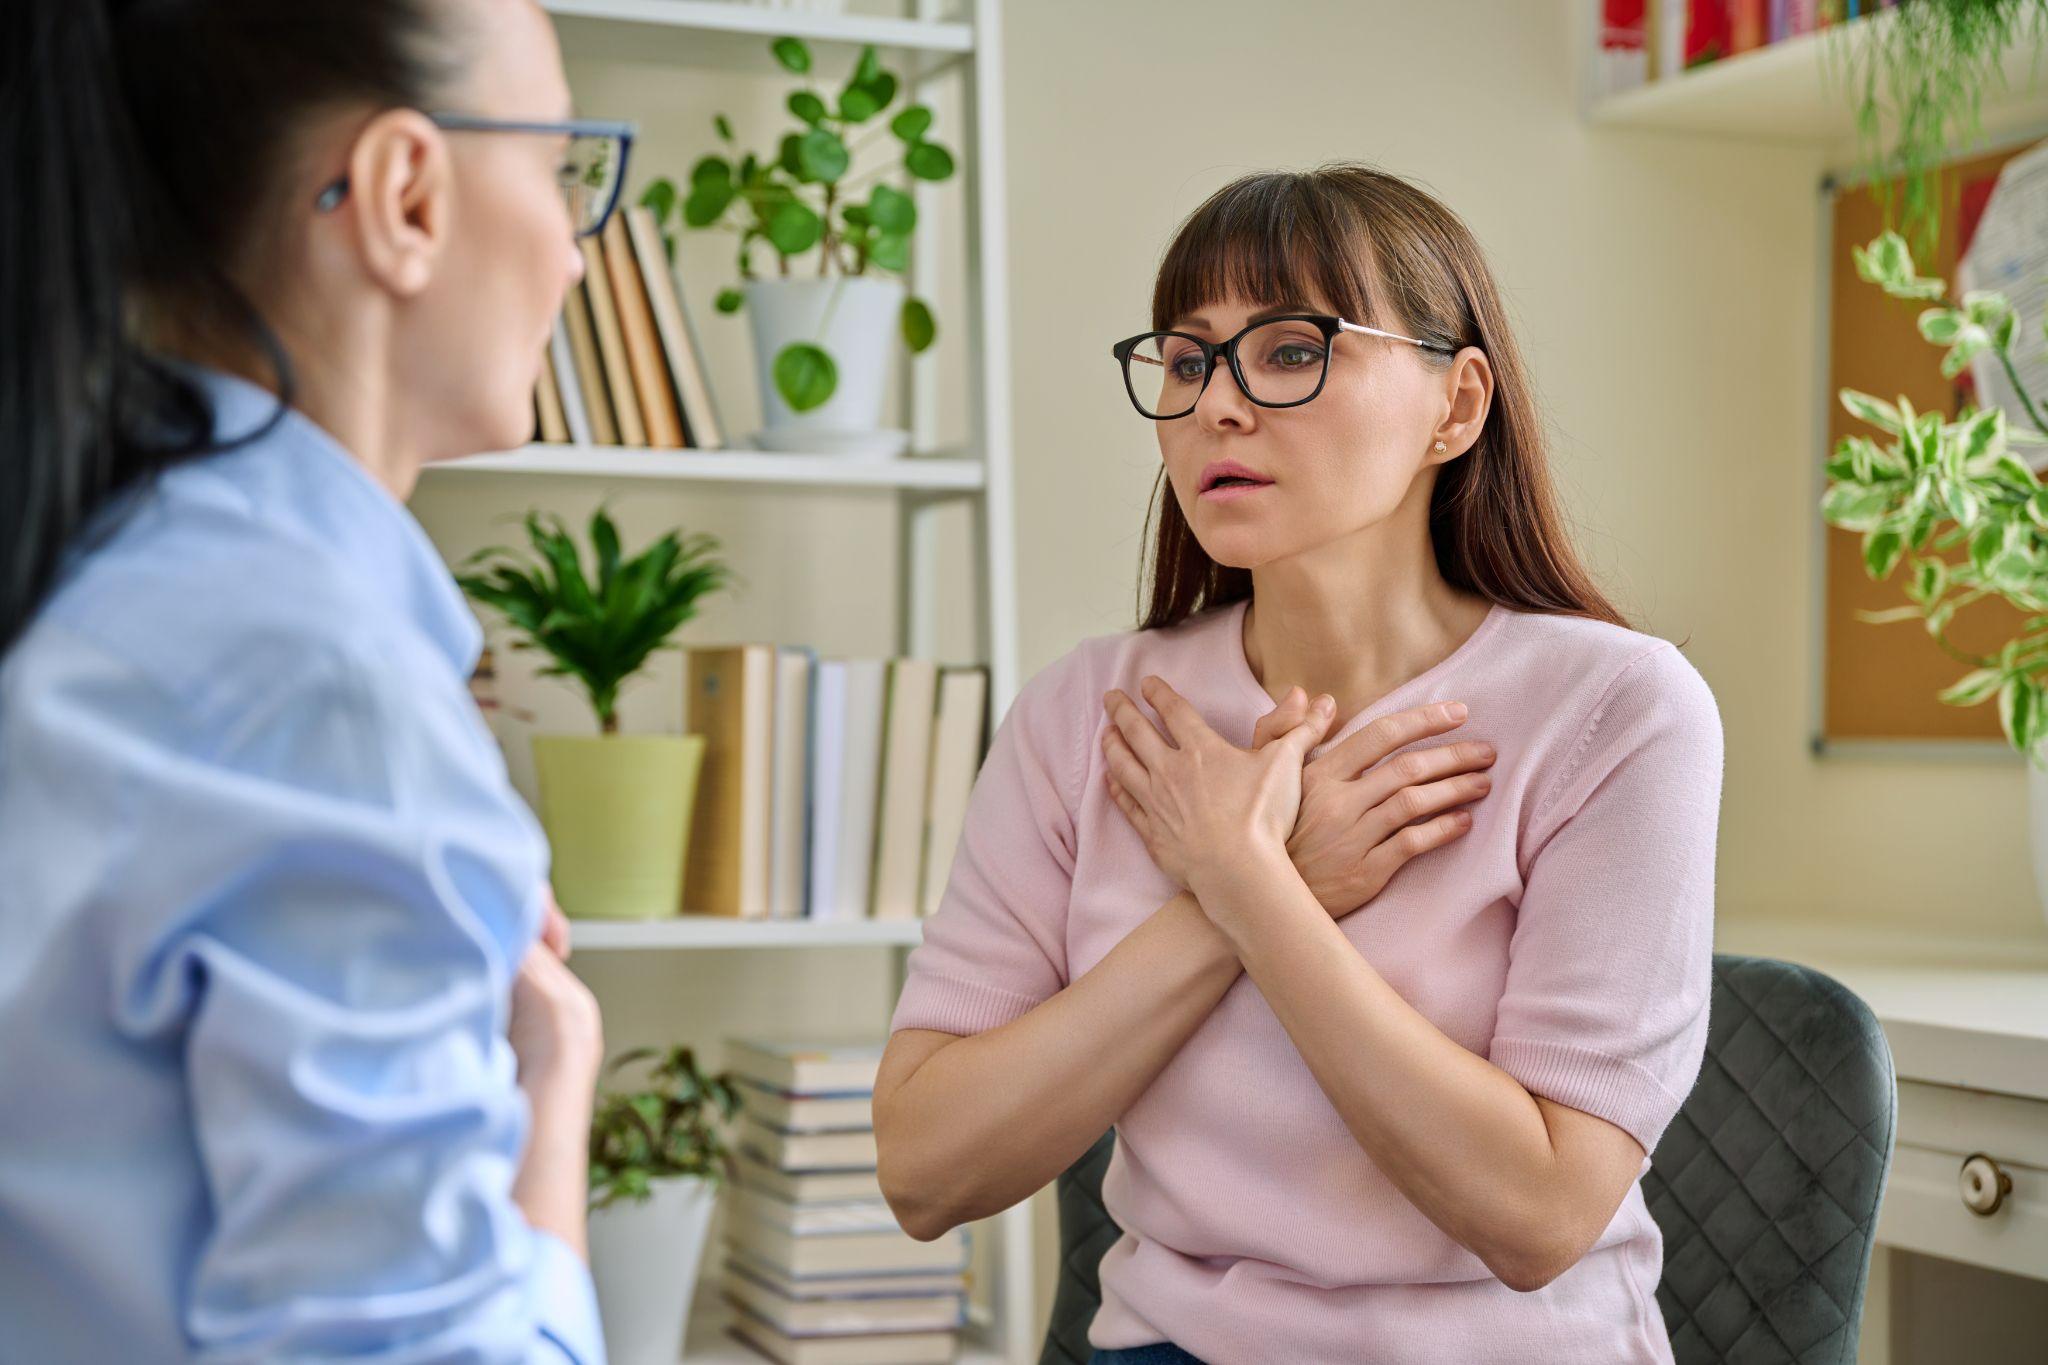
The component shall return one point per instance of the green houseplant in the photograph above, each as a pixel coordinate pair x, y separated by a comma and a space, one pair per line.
658, 1157
616, 807
821, 340
1931, 485
1916, 76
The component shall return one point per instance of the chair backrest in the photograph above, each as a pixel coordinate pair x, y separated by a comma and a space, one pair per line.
1766, 1183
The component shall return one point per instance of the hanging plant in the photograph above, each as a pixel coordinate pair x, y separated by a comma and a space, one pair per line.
1917, 75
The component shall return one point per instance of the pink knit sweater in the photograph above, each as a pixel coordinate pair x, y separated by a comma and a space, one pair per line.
1567, 936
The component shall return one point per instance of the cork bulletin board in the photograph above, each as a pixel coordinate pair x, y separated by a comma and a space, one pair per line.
1878, 683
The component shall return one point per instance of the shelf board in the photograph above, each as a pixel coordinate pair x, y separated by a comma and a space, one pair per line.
721, 33
1792, 92
708, 1343
948, 472
717, 931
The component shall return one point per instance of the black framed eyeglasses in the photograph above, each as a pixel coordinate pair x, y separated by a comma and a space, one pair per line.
1279, 362
591, 173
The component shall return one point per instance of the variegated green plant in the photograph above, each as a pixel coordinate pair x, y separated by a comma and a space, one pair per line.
1933, 484
600, 633
670, 1129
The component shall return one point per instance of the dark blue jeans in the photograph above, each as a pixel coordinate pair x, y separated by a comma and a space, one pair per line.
1157, 1353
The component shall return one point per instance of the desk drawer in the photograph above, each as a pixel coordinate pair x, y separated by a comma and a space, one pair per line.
1924, 1209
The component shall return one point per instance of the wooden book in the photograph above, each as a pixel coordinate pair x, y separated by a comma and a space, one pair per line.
678, 338
611, 345
553, 425
909, 697
957, 751
582, 330
658, 411
731, 703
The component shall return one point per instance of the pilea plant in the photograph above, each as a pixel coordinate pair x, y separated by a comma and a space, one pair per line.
806, 197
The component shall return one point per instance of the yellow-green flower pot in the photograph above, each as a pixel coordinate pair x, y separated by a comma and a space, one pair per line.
617, 812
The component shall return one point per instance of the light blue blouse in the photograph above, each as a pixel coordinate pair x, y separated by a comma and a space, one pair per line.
264, 887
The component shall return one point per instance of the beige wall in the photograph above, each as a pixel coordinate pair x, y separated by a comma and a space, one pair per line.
1664, 290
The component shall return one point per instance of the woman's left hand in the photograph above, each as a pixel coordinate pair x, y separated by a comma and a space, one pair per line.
1198, 801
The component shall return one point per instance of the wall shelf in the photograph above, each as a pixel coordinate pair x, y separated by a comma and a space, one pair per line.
718, 931
1793, 93
758, 467
734, 37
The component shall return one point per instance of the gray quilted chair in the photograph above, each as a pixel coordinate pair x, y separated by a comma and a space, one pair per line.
1766, 1183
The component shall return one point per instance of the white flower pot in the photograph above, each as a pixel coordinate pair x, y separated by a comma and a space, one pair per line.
856, 319
644, 1258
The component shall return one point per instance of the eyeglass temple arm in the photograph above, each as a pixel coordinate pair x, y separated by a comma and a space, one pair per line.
1350, 326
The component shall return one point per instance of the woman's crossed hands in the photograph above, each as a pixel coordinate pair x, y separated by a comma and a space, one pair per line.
1349, 818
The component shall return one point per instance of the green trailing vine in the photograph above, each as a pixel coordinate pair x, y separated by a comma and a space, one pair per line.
1918, 74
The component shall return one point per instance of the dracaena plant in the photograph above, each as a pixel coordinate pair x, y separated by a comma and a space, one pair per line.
600, 627
1929, 485
671, 1128
805, 198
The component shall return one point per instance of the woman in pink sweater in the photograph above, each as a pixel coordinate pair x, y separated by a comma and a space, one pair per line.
1366, 887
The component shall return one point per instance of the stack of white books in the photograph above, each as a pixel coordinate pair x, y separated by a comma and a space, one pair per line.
817, 1268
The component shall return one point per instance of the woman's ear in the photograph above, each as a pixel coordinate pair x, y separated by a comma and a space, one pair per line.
401, 197
1468, 391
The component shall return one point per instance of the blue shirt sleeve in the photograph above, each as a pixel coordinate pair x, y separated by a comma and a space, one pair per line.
326, 890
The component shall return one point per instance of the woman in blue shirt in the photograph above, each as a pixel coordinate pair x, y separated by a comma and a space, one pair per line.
290, 1070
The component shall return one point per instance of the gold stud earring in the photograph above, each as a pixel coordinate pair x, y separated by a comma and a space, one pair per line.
1439, 447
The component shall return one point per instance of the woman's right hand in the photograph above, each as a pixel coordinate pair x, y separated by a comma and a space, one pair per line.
556, 1030
1361, 819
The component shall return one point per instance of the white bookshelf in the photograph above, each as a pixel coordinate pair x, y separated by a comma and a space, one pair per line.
955, 42
709, 1343
717, 931
1792, 92
938, 473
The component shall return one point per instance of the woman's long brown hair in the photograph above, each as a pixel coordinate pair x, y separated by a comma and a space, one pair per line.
1389, 255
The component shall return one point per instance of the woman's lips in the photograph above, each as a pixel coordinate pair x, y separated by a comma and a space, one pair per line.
1225, 492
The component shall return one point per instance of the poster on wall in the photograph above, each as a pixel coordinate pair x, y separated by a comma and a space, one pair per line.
2008, 254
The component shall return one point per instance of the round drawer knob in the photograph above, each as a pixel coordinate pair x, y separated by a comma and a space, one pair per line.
1984, 1185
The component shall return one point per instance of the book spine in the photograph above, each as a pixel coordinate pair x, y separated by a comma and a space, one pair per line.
611, 344
658, 412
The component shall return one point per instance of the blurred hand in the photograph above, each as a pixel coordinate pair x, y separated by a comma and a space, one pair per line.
556, 1029
554, 925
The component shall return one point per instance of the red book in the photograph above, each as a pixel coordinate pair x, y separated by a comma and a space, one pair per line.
1706, 32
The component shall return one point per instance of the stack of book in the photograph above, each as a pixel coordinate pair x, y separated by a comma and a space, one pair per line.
624, 366
831, 788
817, 1268
1649, 40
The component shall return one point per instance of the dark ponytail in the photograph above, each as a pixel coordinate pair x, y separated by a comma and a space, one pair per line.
143, 145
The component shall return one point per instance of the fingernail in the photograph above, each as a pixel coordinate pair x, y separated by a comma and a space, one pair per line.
1456, 710
1326, 703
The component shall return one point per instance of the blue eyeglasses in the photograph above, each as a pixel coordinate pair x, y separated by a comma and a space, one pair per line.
590, 176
